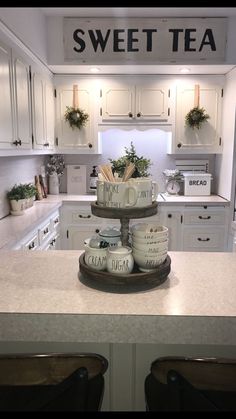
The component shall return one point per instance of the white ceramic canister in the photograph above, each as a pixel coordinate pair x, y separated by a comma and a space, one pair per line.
110, 236
95, 258
120, 260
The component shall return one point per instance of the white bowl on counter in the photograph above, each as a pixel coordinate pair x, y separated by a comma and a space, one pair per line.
151, 248
148, 231
148, 262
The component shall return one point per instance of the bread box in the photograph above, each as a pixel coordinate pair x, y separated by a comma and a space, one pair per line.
197, 184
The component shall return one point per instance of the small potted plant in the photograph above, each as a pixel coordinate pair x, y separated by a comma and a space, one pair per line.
21, 197
141, 163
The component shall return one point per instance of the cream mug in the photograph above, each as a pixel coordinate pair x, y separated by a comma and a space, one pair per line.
118, 194
147, 191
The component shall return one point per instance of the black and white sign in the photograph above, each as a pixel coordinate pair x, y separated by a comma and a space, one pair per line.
144, 41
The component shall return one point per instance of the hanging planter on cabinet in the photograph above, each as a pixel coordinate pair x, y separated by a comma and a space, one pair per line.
75, 116
196, 116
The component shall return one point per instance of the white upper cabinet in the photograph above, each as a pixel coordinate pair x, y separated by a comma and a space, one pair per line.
206, 139
23, 105
84, 140
140, 100
43, 111
6, 99
15, 114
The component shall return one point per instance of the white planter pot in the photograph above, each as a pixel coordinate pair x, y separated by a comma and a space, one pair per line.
54, 184
18, 207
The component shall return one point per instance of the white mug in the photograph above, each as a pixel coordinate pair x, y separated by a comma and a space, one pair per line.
147, 191
117, 195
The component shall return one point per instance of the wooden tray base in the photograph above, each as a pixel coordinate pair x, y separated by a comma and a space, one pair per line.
134, 282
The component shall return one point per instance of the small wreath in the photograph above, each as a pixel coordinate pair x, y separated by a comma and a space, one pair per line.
196, 117
76, 117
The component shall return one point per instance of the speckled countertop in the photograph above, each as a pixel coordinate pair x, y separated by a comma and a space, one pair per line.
42, 299
13, 228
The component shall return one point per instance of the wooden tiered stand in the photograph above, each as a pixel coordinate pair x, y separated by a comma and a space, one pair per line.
136, 280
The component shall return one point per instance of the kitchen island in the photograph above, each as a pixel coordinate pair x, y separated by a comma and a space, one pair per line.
44, 306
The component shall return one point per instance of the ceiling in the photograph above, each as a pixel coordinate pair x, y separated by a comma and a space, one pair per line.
141, 12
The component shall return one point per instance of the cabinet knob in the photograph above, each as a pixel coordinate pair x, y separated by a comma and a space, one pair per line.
139, 114
179, 145
169, 215
46, 144
97, 230
130, 114
90, 145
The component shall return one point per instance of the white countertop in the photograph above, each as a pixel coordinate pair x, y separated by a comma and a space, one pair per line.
181, 199
13, 228
42, 299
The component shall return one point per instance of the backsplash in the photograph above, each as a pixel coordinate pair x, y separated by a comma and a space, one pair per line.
16, 170
151, 144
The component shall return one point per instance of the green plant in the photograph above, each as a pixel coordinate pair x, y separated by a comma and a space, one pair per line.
21, 191
142, 164
196, 117
76, 117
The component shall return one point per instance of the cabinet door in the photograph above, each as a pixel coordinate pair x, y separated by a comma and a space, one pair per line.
23, 105
49, 114
77, 234
6, 99
118, 102
68, 137
171, 218
152, 103
38, 110
207, 138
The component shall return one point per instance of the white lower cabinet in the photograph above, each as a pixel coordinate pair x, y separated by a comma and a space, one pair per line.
201, 228
45, 236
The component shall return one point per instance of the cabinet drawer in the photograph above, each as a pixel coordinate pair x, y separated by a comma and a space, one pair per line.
204, 217
32, 243
203, 240
44, 232
55, 223
81, 216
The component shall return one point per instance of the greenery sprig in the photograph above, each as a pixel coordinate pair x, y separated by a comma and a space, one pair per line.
76, 117
141, 163
196, 117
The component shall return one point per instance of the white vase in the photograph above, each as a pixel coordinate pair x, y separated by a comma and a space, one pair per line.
54, 184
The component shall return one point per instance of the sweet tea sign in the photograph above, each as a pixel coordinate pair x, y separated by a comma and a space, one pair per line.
144, 41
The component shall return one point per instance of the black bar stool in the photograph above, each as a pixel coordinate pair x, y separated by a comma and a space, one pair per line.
52, 382
191, 384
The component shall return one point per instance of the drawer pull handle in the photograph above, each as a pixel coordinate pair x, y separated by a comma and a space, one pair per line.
84, 216
204, 218
56, 221
31, 246
203, 240
45, 231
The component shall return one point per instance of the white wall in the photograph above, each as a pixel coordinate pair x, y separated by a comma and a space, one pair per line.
29, 25
224, 162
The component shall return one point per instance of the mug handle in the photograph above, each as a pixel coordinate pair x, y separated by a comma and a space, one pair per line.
154, 190
134, 189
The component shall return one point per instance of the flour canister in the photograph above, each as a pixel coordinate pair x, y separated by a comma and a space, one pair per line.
120, 260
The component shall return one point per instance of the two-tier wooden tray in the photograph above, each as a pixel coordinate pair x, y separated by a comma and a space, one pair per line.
136, 281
